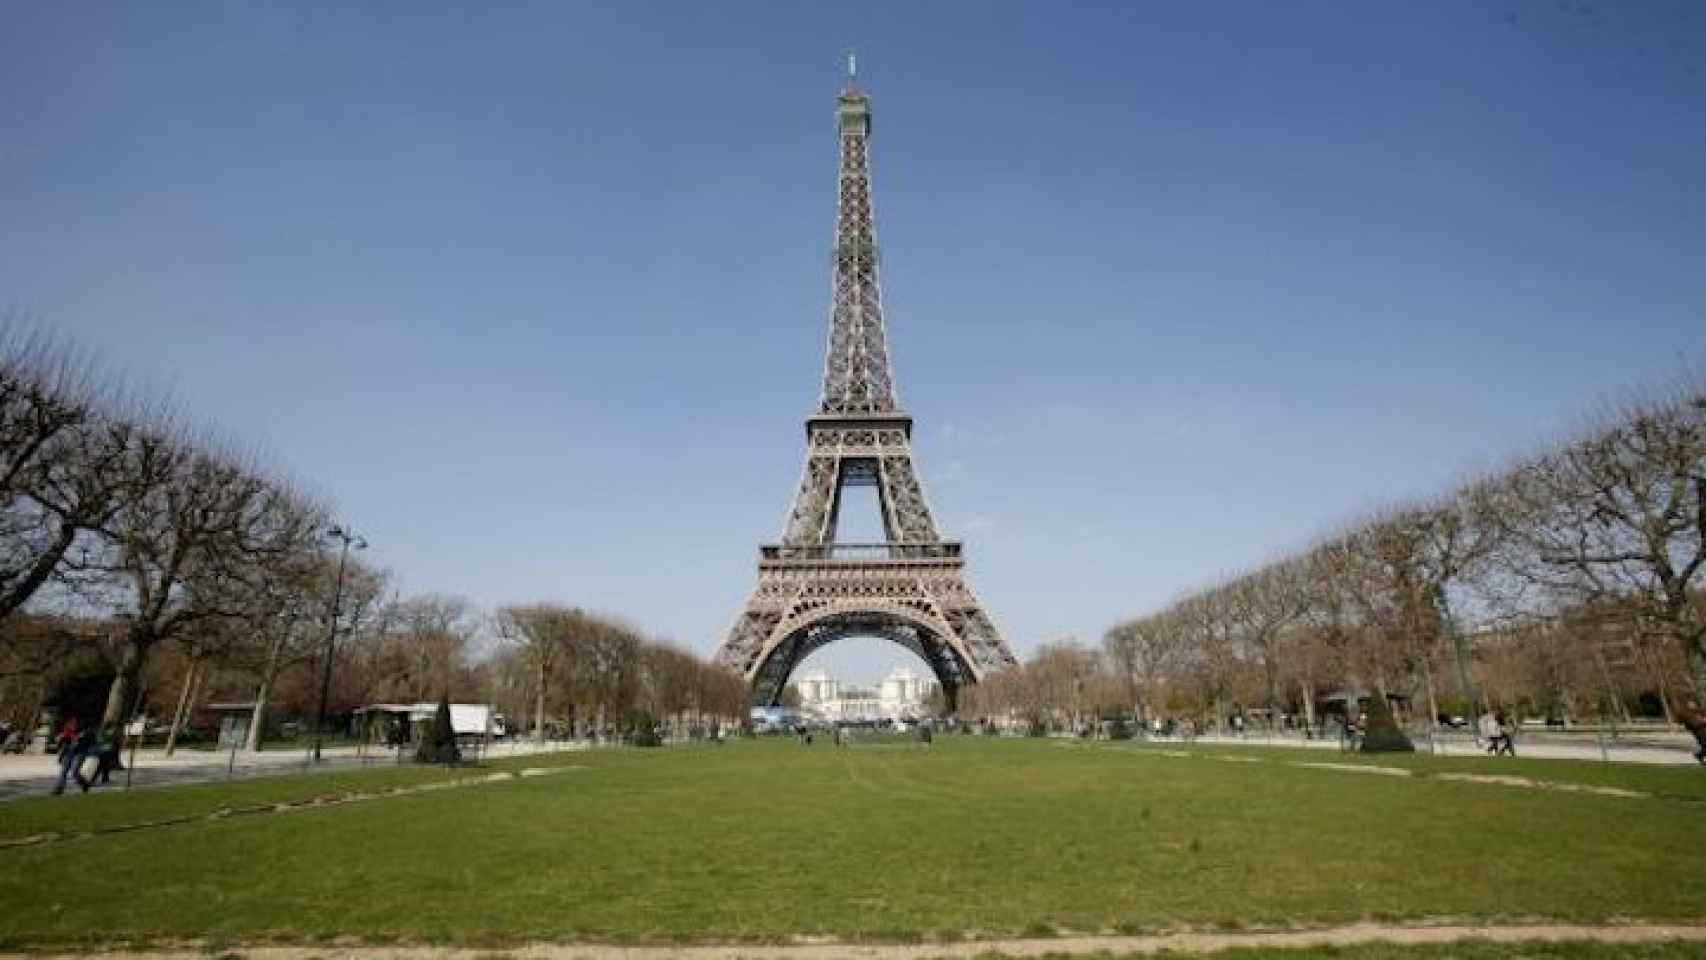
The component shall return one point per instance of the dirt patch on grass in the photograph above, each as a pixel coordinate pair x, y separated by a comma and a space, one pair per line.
1356, 768
285, 806
1510, 781
1188, 942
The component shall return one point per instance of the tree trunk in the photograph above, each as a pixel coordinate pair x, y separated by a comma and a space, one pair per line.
1695, 657
1308, 703
1459, 653
1622, 711
36, 714
539, 704
1433, 702
252, 739
269, 673
185, 698
137, 645
1271, 668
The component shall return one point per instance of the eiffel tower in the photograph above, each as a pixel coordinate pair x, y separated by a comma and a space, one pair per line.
910, 589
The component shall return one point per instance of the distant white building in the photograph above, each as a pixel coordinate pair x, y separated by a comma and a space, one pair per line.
817, 686
904, 686
902, 695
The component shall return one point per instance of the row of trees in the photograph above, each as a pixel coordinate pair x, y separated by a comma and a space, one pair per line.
1569, 583
141, 556
1061, 686
585, 671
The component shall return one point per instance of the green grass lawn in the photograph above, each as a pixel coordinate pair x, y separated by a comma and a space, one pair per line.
772, 839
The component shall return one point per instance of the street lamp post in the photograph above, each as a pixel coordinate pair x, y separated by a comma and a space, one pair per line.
347, 538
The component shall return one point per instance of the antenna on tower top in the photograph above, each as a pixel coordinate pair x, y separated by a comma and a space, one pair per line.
852, 65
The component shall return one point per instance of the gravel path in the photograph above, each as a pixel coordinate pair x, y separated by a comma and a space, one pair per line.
1194, 942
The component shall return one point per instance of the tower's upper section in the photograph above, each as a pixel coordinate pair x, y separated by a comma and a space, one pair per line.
856, 378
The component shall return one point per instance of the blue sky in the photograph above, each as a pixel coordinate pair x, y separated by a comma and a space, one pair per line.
536, 293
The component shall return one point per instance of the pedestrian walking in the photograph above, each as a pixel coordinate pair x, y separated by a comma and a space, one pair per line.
74, 749
1694, 721
106, 751
66, 736
1507, 736
1487, 728
1350, 735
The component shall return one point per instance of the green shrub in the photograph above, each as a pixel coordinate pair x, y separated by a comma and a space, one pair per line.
1119, 730
1383, 735
438, 744
643, 730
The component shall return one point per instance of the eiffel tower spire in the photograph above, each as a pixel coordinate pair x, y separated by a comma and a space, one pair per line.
856, 375
912, 587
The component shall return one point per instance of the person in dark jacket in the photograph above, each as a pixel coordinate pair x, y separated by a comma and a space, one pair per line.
1507, 736
106, 752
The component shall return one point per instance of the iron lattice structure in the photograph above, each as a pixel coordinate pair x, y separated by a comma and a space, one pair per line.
911, 589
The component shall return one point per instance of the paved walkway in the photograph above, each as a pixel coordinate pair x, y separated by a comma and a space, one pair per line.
1069, 945
35, 774
1654, 748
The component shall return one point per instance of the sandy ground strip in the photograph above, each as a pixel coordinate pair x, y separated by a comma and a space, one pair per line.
1511, 781
1355, 768
1194, 942
1502, 780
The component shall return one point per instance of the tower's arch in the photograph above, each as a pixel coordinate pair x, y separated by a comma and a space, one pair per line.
940, 653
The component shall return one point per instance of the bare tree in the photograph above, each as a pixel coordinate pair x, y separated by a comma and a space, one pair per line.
1062, 677
419, 647
286, 619
1621, 513
669, 674
1206, 621
607, 668
63, 463
440, 630
200, 644
1142, 653
547, 634
190, 546
1265, 605
1458, 537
